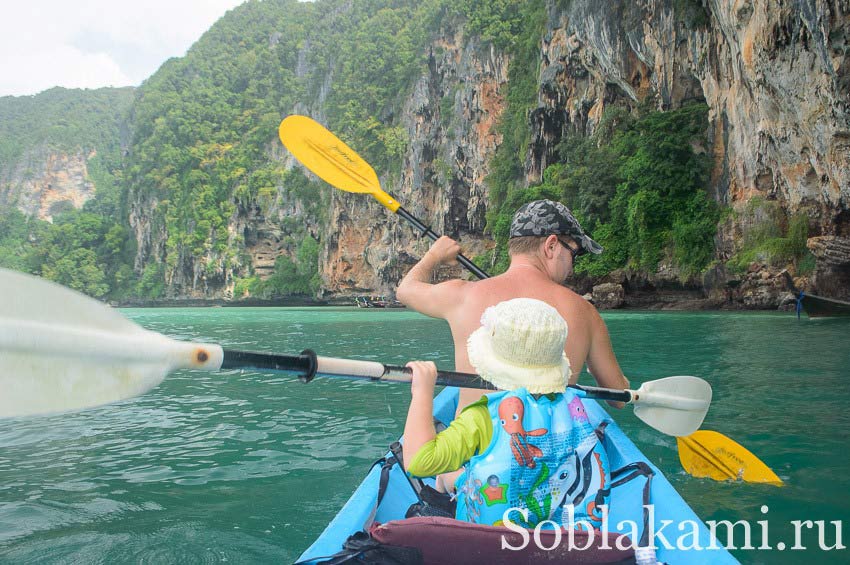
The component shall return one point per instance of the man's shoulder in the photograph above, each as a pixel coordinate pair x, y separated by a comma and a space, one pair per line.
566, 294
455, 290
573, 306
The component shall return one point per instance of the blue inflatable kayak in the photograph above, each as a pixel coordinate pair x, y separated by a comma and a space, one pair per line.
626, 504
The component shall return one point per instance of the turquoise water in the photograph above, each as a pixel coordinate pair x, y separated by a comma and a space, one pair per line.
245, 467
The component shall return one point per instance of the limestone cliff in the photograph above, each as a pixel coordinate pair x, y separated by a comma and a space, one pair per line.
776, 76
44, 182
451, 120
55, 146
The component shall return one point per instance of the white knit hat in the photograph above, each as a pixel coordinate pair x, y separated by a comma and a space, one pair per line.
521, 344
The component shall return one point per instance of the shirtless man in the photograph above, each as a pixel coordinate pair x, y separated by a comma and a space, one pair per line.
545, 239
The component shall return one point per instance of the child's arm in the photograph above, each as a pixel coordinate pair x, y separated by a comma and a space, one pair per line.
468, 434
419, 428
426, 453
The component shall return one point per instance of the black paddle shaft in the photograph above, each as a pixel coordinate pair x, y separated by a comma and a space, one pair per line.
428, 232
307, 365
470, 380
303, 364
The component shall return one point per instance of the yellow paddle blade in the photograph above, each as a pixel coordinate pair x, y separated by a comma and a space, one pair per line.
706, 453
330, 159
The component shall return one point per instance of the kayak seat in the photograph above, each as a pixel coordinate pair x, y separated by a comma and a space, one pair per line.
475, 544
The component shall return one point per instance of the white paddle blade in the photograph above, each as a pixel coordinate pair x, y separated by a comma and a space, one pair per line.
32, 385
33, 299
674, 406
48, 369
63, 351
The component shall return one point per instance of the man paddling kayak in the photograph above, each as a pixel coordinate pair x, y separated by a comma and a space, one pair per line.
545, 239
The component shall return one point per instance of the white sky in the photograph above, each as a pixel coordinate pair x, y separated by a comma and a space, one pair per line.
95, 43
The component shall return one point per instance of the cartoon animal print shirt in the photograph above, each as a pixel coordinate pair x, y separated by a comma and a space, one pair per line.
540, 455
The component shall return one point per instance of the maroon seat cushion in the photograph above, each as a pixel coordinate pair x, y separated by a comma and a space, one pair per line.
449, 541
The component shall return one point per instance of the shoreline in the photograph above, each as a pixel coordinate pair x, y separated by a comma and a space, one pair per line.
222, 303
638, 302
761, 289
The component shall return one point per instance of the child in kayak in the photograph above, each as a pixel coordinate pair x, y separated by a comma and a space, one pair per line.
530, 452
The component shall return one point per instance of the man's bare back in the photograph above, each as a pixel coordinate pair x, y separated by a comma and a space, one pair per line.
523, 281
535, 274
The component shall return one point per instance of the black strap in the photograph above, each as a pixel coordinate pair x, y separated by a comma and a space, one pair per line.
362, 549
360, 546
383, 482
415, 483
429, 502
432, 503
632, 471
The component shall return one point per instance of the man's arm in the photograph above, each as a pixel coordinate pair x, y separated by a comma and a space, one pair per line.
601, 361
418, 292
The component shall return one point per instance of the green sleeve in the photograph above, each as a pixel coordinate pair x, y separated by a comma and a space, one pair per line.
468, 434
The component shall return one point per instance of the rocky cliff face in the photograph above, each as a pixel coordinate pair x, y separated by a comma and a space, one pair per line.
776, 76
451, 121
832, 277
44, 182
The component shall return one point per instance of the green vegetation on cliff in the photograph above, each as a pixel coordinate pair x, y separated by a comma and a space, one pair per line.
64, 120
203, 160
91, 249
204, 125
772, 238
637, 185
84, 250
59, 120
520, 95
14, 244
298, 276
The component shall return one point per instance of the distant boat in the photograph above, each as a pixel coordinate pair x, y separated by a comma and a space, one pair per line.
820, 307
373, 302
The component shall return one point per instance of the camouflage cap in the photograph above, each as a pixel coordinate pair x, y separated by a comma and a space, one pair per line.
545, 217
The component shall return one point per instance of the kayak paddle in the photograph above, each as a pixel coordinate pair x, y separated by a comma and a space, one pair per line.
707, 453
61, 351
673, 405
340, 166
